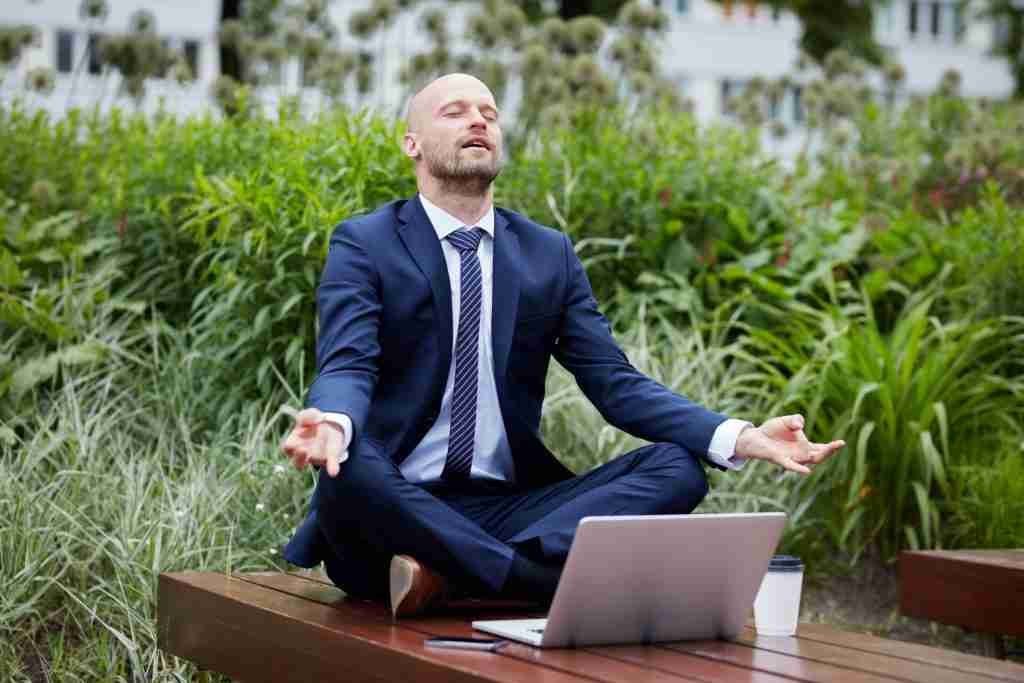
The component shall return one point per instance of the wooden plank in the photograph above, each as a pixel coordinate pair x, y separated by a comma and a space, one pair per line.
785, 664
656, 662
1008, 559
254, 634
958, 661
979, 590
454, 623
867, 662
665, 658
779, 664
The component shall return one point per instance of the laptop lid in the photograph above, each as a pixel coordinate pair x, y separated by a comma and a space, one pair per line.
658, 578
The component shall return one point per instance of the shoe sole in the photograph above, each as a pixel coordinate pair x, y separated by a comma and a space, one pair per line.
401, 574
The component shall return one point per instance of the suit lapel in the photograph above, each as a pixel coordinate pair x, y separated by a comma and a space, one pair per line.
505, 293
420, 239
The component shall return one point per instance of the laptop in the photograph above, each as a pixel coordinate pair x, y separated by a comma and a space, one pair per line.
653, 578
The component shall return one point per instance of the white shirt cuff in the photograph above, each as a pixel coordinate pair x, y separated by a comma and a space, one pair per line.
343, 421
722, 450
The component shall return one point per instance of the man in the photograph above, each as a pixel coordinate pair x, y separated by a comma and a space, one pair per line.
439, 316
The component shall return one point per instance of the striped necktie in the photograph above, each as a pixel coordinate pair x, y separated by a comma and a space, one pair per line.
463, 421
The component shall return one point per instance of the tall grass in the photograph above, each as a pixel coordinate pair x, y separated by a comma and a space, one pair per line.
105, 485
913, 403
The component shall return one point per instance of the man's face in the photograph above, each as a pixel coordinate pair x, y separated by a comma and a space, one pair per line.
459, 135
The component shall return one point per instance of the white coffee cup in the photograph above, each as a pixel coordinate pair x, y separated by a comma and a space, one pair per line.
777, 605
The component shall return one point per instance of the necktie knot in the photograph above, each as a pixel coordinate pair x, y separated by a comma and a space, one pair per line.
466, 240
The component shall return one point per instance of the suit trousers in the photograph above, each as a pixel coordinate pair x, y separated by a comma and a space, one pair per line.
370, 512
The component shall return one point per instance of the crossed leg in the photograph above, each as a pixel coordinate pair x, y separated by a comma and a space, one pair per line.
370, 512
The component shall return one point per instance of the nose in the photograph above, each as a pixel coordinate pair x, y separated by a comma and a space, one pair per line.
477, 120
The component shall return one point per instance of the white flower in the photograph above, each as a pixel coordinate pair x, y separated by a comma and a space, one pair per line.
273, 551
278, 469
260, 507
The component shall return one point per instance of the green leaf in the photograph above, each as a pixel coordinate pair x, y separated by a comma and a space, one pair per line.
756, 259
292, 301
33, 373
924, 507
10, 274
8, 436
850, 524
84, 353
58, 227
136, 307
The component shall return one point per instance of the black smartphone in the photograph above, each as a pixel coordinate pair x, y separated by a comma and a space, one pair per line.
466, 643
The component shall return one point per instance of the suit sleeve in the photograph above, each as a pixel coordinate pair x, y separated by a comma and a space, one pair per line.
626, 398
348, 348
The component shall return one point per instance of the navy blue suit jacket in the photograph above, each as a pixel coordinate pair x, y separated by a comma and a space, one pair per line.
385, 345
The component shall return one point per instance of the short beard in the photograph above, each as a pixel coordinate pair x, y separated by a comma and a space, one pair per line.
456, 176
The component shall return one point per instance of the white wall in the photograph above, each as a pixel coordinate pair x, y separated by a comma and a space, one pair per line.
702, 48
176, 20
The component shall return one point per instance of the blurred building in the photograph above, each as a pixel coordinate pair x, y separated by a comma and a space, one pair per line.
64, 39
711, 50
715, 48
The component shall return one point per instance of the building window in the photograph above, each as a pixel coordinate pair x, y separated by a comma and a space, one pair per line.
192, 56
936, 19
682, 6
732, 88
95, 63
727, 94
65, 51
959, 27
798, 104
1001, 33
912, 10
885, 14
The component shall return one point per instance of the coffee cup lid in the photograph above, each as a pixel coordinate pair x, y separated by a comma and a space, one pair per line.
785, 563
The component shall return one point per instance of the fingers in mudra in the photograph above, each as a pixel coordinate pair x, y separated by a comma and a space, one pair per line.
302, 444
791, 463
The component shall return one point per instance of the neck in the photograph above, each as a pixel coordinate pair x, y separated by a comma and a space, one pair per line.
468, 206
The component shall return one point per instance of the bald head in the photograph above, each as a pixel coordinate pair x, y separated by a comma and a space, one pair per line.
434, 94
454, 136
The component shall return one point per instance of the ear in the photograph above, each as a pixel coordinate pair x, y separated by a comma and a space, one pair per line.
411, 146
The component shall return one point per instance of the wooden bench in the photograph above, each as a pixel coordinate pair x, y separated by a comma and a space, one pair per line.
981, 590
291, 627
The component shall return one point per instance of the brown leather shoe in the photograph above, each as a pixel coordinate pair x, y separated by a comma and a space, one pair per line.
414, 587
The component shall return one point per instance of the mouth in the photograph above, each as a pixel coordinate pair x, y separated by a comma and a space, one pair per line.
477, 143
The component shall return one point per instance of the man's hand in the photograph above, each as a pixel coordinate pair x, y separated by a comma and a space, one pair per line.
315, 441
781, 440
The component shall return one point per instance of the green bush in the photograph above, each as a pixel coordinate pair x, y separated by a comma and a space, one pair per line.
980, 246
260, 232
683, 199
58, 310
990, 501
912, 403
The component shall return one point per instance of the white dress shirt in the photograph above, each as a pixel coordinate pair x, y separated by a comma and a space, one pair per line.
492, 457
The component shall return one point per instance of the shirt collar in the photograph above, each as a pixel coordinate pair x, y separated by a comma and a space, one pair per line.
445, 224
